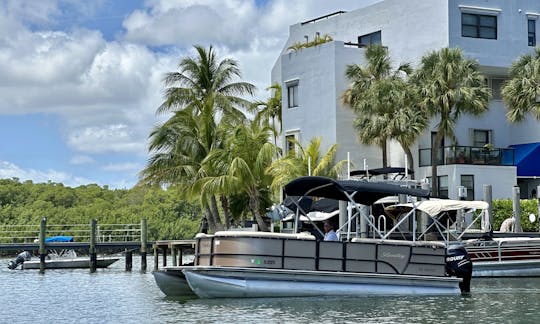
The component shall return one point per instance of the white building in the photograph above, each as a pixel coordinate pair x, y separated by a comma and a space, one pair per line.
494, 32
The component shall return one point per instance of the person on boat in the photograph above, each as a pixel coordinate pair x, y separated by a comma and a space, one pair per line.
330, 234
204, 225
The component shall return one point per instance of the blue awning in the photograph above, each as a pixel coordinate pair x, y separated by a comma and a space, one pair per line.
527, 159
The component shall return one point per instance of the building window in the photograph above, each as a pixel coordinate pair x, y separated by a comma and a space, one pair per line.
467, 181
290, 143
531, 26
443, 186
369, 39
481, 137
292, 94
496, 86
478, 26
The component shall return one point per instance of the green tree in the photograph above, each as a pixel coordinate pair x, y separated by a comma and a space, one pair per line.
269, 112
308, 161
449, 85
521, 93
201, 95
376, 91
242, 165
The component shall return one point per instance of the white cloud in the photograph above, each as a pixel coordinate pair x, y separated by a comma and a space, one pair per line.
106, 92
81, 159
9, 170
123, 167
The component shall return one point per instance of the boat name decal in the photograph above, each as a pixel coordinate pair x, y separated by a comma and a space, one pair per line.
259, 261
393, 255
455, 258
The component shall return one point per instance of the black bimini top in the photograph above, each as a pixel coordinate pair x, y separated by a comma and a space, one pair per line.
365, 193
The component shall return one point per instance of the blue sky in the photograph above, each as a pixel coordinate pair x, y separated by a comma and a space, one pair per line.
80, 80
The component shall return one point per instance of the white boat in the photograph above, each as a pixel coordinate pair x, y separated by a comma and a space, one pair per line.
70, 263
259, 264
491, 257
64, 259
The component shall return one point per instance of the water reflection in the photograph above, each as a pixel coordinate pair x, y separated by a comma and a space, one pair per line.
115, 296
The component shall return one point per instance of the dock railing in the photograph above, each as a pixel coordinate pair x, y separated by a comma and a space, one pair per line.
79, 232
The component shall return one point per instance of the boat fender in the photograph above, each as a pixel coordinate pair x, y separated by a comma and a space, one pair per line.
458, 264
23, 256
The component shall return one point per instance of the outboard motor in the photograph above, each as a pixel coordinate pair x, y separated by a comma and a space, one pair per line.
458, 264
23, 256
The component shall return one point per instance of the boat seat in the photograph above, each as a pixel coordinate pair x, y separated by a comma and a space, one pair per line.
401, 242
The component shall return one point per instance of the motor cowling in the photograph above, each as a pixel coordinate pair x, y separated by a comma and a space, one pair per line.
458, 264
24, 256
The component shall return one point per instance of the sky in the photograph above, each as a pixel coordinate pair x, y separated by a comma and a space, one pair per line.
80, 80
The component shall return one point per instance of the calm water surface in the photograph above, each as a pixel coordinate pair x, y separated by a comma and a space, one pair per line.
115, 296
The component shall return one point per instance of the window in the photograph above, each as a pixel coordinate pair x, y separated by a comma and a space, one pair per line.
369, 39
478, 26
443, 186
531, 26
467, 181
481, 137
290, 143
496, 86
292, 94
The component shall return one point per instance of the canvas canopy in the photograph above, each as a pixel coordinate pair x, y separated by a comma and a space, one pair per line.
435, 207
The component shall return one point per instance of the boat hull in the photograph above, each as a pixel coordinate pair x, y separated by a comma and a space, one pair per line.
218, 282
505, 257
520, 268
78, 263
172, 282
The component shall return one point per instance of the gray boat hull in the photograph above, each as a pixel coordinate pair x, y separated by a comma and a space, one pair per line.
214, 282
173, 283
510, 268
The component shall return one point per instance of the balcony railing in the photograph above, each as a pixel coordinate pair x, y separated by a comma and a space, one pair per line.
468, 155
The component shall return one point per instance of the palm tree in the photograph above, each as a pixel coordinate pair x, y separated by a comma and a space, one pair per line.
201, 96
308, 161
242, 165
449, 85
373, 96
521, 93
269, 112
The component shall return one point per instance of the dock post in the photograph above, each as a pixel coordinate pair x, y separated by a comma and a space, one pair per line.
180, 256
165, 251
42, 251
156, 258
129, 259
489, 220
173, 254
92, 249
144, 242
516, 208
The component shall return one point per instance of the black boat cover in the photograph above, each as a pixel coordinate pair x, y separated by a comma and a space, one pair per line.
365, 193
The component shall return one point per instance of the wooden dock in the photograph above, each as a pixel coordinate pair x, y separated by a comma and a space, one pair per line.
177, 249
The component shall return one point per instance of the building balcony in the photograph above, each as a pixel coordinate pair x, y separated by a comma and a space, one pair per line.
468, 155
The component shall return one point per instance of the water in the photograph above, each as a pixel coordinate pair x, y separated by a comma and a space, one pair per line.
115, 296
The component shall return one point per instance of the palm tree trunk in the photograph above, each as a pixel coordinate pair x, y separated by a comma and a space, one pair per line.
226, 211
254, 205
210, 218
215, 213
434, 163
410, 160
384, 154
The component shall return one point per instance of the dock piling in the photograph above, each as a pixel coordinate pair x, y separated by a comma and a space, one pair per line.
42, 251
144, 240
92, 249
129, 259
